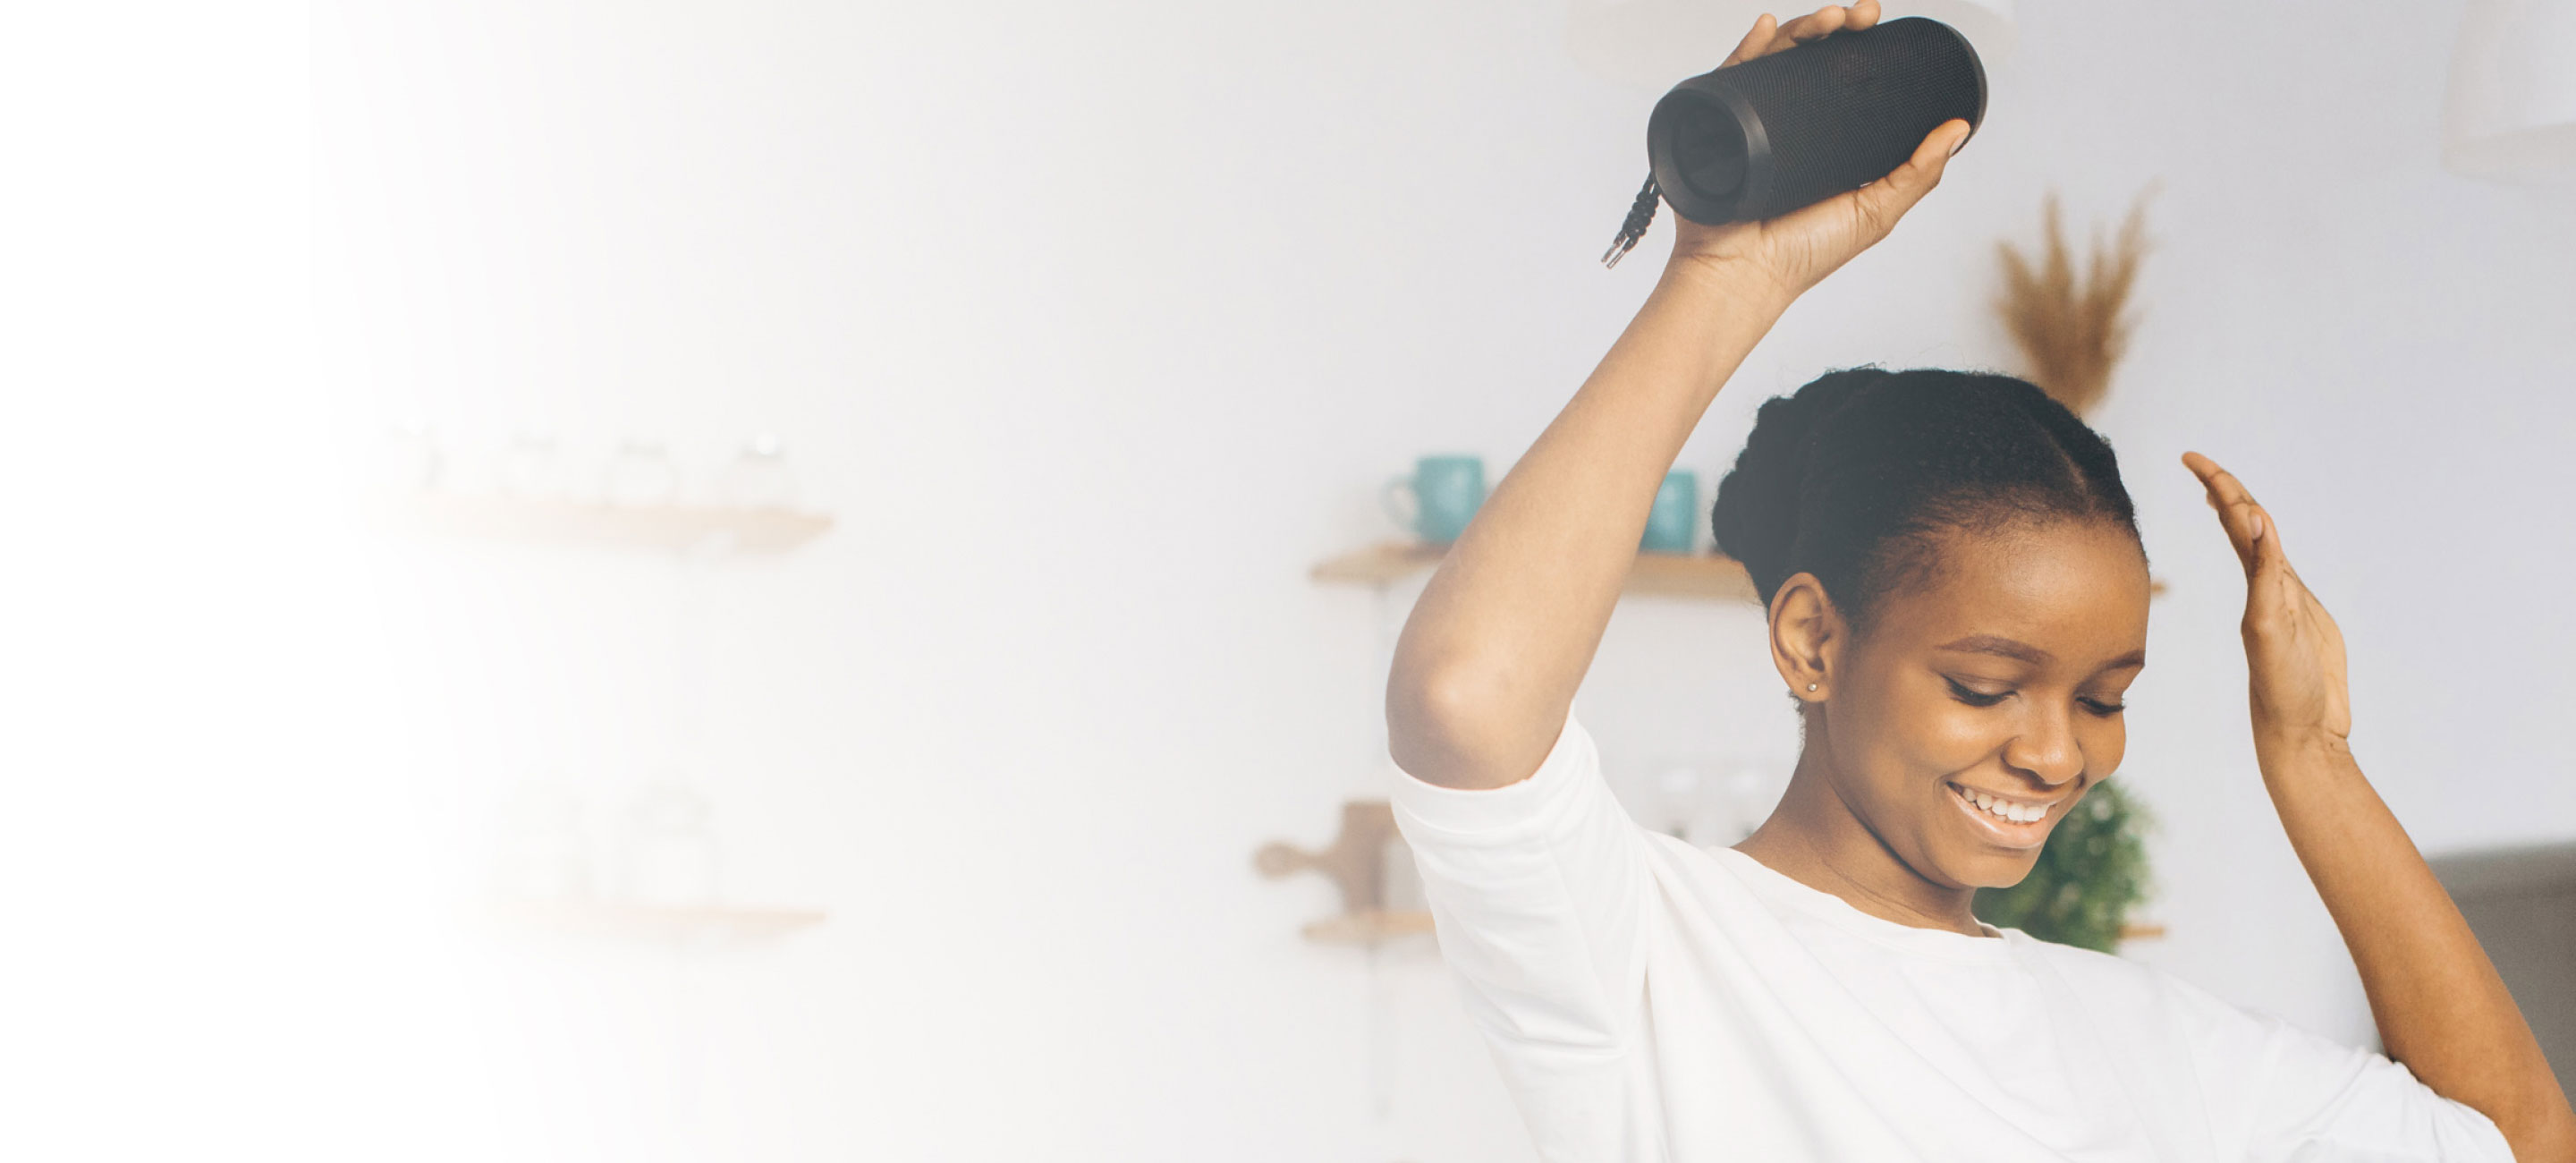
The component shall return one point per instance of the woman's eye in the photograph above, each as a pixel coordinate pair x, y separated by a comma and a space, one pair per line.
1980, 699
1972, 698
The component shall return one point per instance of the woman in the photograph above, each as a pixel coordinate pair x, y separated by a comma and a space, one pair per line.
1957, 598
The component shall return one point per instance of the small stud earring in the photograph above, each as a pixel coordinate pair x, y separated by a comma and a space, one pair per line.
1811, 686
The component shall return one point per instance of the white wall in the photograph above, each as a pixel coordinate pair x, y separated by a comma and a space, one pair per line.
1096, 325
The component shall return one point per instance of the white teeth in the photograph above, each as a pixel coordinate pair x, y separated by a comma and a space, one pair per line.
2017, 813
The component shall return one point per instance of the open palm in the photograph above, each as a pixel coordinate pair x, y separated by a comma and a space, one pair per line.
2293, 650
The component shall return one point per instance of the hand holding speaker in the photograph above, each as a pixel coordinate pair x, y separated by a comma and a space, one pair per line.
1797, 249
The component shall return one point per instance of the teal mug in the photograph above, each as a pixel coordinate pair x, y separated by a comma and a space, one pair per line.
1672, 526
1441, 496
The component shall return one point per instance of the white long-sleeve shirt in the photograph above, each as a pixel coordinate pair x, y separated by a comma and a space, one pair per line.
1648, 1000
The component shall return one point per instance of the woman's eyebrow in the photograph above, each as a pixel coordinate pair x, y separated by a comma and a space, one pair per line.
1995, 644
2009, 648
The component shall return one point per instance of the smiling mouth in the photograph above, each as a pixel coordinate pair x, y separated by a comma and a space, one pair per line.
2011, 823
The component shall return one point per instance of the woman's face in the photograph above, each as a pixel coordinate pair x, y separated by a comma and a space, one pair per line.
2003, 682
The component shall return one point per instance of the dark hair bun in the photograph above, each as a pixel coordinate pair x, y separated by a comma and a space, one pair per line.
1859, 477
1756, 514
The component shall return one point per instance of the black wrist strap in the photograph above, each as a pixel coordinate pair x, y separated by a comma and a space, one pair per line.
1641, 213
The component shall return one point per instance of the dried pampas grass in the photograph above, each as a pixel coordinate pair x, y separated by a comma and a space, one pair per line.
2074, 334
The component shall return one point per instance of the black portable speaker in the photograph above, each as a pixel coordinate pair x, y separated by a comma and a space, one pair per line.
1765, 137
1759, 139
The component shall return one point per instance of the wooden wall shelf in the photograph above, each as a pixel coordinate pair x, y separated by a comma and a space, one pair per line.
1358, 864
699, 925
1368, 927
672, 527
1673, 575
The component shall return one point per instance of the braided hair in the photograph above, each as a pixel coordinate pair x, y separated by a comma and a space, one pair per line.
1855, 477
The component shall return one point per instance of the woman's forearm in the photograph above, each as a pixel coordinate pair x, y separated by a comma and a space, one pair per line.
2441, 1008
1491, 656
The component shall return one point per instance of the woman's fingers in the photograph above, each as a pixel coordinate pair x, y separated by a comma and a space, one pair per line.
2248, 525
1769, 36
1755, 42
2226, 496
1821, 22
2223, 485
1815, 25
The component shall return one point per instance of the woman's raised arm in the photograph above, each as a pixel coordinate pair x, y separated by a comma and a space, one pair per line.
1490, 658
2442, 1010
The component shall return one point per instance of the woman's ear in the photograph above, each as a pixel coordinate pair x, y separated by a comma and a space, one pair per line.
1805, 635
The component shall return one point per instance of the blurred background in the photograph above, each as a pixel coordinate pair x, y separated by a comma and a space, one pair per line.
676, 581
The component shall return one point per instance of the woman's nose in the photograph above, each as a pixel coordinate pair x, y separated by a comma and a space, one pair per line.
2046, 749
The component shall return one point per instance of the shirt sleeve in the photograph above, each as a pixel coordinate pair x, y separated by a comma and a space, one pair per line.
2299, 1097
1538, 896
